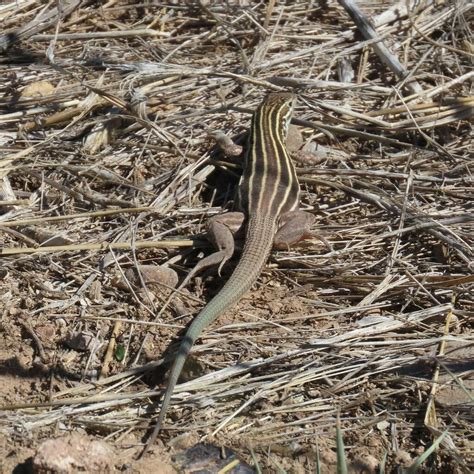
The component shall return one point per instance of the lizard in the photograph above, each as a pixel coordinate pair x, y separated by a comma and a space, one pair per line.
268, 198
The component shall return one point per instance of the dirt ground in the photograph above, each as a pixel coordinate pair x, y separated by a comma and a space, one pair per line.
110, 166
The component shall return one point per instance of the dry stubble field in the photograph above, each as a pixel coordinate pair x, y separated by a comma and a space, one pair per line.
108, 171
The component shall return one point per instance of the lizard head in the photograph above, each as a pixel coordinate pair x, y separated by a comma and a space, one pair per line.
277, 108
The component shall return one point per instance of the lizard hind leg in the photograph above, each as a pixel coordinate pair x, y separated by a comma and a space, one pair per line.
294, 226
222, 230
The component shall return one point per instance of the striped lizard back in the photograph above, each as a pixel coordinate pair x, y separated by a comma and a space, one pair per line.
269, 186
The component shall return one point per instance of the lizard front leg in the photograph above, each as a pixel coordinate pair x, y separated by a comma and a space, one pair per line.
293, 227
222, 231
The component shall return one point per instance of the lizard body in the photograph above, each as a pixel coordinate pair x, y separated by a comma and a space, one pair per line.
268, 194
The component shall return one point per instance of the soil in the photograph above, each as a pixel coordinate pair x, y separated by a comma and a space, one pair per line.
358, 339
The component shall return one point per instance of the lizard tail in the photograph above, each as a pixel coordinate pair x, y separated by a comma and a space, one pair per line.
257, 247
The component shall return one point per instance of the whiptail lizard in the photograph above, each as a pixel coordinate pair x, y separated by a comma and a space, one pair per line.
269, 195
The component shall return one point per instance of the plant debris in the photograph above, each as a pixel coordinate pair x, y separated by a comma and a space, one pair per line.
109, 117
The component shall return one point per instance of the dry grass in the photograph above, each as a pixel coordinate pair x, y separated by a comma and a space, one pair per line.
107, 162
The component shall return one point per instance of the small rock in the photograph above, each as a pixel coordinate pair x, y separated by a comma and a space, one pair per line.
73, 453
383, 425
95, 291
402, 458
80, 341
38, 89
46, 237
364, 464
275, 307
157, 274
150, 275
46, 333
